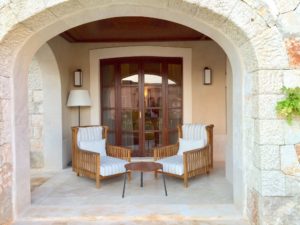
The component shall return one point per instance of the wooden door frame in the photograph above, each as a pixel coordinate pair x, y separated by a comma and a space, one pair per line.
140, 60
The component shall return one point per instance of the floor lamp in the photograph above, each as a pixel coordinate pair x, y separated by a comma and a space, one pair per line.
78, 98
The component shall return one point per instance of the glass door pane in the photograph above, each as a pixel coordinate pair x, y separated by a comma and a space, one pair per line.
108, 97
153, 107
175, 93
129, 101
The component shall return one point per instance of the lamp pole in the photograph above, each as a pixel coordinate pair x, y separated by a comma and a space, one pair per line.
79, 115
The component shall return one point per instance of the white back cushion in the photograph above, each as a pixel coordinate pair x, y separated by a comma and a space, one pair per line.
94, 146
187, 145
194, 132
89, 134
90, 138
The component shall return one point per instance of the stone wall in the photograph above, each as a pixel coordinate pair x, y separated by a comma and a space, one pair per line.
36, 115
266, 35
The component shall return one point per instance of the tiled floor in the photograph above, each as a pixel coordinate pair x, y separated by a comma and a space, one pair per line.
67, 199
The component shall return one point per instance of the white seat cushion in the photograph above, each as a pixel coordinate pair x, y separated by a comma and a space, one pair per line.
110, 166
172, 164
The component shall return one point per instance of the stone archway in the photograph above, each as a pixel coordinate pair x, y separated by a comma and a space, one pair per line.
252, 43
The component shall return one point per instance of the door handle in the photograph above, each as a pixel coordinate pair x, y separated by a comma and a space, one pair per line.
140, 115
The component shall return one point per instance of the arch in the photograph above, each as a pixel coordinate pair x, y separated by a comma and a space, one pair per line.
244, 42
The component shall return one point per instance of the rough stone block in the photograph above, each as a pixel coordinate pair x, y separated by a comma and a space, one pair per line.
289, 158
221, 7
37, 120
40, 20
293, 49
256, 156
94, 2
266, 157
291, 78
279, 210
249, 55
269, 50
253, 206
3, 3
7, 20
266, 106
36, 145
270, 157
16, 37
283, 7
5, 110
273, 183
40, 108
268, 81
269, 132
292, 133
24, 9
5, 154
6, 61
292, 186
35, 77
66, 8
36, 160
4, 87
5, 133
6, 211
38, 95
50, 3
264, 10
290, 23
248, 22
37, 132
255, 179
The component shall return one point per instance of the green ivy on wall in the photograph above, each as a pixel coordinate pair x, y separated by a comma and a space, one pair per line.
290, 106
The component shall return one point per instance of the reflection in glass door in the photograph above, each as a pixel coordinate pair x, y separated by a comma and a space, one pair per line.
129, 102
153, 109
141, 101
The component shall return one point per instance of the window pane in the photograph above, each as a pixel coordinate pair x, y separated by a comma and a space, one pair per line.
109, 119
175, 74
175, 96
152, 73
152, 139
153, 119
130, 120
111, 138
175, 118
108, 75
130, 97
129, 73
173, 137
108, 97
153, 96
130, 140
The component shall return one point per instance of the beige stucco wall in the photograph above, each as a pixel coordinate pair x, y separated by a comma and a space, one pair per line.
208, 101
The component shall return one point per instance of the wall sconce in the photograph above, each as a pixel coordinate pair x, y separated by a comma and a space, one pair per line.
78, 78
207, 76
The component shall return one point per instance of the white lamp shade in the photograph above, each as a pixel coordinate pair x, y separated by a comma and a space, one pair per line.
79, 98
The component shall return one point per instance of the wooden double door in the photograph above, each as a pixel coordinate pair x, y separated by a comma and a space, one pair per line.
141, 101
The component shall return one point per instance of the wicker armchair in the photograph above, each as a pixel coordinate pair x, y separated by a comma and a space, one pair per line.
91, 164
191, 163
